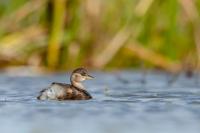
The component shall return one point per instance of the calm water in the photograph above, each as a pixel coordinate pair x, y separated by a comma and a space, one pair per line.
122, 103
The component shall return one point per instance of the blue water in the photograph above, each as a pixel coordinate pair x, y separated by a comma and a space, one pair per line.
124, 102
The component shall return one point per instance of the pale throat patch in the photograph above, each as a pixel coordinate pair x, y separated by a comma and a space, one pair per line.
78, 85
76, 80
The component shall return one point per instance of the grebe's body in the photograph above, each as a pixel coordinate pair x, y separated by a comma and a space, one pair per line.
73, 91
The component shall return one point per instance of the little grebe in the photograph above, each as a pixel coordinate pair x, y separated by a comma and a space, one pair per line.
73, 91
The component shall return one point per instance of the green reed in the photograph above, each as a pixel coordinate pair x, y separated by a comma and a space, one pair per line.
62, 34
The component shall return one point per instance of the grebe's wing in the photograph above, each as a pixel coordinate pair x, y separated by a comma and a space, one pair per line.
55, 91
86, 94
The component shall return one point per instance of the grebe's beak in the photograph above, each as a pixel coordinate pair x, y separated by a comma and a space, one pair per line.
89, 76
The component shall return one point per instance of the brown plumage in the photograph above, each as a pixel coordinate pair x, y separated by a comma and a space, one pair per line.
73, 91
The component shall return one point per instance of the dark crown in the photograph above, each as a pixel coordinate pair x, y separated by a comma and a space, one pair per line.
82, 71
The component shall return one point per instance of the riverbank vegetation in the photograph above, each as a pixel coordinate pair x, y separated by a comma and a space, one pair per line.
100, 34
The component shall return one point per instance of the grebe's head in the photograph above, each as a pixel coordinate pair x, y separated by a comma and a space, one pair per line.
80, 74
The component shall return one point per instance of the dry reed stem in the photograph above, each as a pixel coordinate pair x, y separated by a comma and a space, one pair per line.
113, 47
152, 57
143, 6
11, 45
197, 43
190, 9
192, 13
14, 18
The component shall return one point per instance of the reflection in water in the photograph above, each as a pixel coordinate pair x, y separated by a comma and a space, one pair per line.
121, 104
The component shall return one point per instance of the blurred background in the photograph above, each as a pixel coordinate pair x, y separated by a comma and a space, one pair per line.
42, 39
60, 35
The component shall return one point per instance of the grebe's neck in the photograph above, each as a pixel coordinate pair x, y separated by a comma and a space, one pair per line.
77, 85
76, 81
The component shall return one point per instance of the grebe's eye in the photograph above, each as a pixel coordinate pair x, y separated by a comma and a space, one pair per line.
84, 74
76, 75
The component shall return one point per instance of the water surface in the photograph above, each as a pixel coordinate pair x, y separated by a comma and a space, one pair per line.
124, 102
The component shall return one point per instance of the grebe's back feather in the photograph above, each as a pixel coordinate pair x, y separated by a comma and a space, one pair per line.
62, 91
